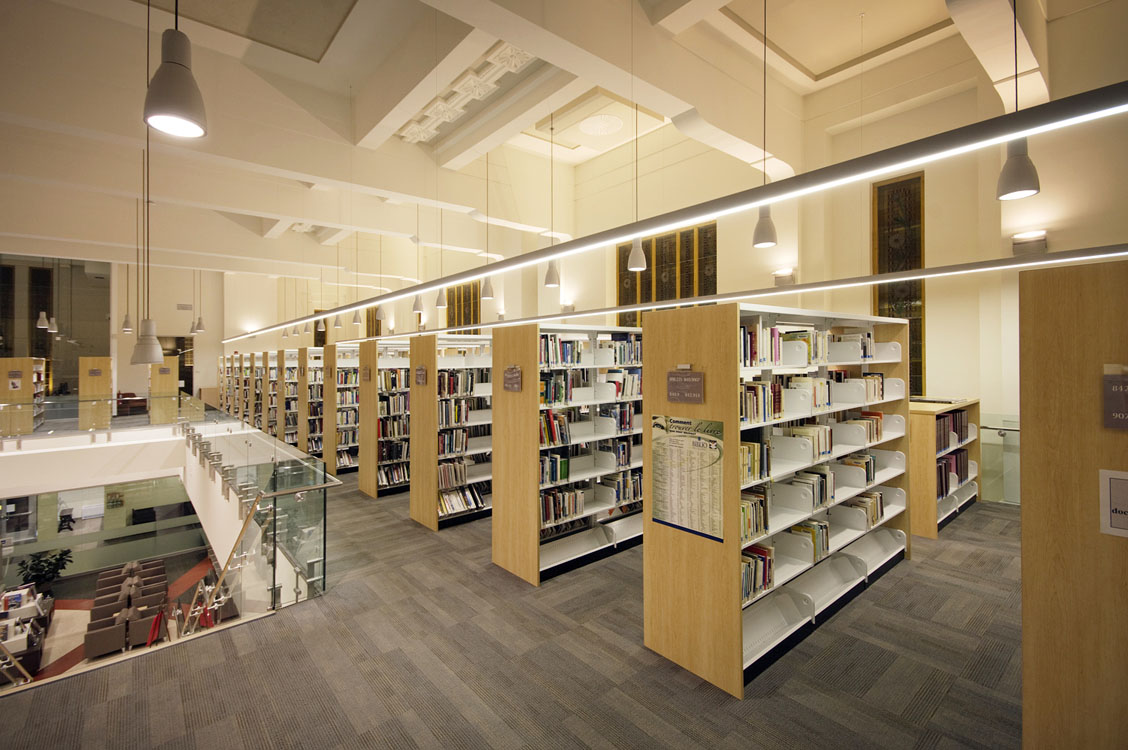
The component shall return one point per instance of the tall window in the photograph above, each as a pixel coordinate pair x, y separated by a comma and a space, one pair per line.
464, 305
898, 245
679, 265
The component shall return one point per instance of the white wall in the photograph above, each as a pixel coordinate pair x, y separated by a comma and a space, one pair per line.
62, 466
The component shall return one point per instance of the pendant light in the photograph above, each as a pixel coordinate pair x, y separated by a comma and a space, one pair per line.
337, 292
147, 350
487, 285
42, 321
552, 275
380, 314
173, 103
379, 308
636, 261
126, 323
764, 235
1019, 178
417, 306
321, 325
441, 298
336, 321
192, 320
307, 328
285, 331
356, 272
200, 323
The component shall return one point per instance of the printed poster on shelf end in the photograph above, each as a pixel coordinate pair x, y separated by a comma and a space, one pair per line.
687, 460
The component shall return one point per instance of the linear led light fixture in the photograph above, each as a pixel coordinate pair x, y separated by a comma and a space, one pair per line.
1106, 252
1055, 115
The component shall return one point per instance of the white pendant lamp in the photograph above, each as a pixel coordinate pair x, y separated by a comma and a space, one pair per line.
52, 326
127, 324
297, 331
285, 333
417, 306
307, 328
636, 261
173, 103
441, 299
192, 330
42, 322
356, 318
148, 349
487, 288
380, 314
321, 325
200, 325
764, 236
336, 321
552, 275
1019, 178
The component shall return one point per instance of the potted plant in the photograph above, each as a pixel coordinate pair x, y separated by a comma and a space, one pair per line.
42, 568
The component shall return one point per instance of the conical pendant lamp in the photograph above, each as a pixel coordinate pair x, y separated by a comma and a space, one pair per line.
42, 321
336, 321
148, 349
127, 324
52, 325
380, 314
552, 275
321, 325
417, 306
636, 261
173, 103
441, 299
285, 333
356, 318
764, 235
307, 328
200, 325
487, 288
1018, 178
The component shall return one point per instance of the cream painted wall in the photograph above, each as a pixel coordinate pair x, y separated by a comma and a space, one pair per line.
168, 288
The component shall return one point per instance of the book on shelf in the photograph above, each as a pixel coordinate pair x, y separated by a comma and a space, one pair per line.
463, 499
818, 388
755, 510
553, 428
554, 468
864, 461
759, 345
757, 570
819, 533
864, 339
556, 351
625, 487
755, 462
816, 343
761, 400
628, 383
560, 504
820, 481
820, 435
873, 503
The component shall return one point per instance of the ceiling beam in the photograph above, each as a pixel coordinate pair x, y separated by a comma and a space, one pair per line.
509, 113
331, 236
988, 27
675, 16
272, 229
425, 62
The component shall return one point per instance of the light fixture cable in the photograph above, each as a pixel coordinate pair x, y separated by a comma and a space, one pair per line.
764, 235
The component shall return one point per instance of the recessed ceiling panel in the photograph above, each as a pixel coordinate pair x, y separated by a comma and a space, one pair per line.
301, 27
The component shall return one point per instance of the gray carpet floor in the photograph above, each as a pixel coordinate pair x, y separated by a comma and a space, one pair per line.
422, 642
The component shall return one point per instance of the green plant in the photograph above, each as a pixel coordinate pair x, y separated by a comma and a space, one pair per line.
41, 568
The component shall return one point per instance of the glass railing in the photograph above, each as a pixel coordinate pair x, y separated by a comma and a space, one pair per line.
1000, 466
65, 414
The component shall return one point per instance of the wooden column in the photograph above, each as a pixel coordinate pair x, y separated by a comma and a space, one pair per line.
329, 408
368, 452
303, 399
691, 584
1074, 593
516, 461
95, 392
424, 505
163, 391
264, 393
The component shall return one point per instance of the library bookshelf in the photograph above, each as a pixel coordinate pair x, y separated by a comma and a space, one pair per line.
944, 462
289, 412
24, 402
566, 467
311, 401
451, 390
831, 435
385, 418
341, 406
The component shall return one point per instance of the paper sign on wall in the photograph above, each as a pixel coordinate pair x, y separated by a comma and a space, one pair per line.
366, 373
685, 387
687, 460
1114, 502
1116, 396
421, 375
14, 384
164, 371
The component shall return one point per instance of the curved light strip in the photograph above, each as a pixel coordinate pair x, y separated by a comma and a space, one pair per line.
1055, 115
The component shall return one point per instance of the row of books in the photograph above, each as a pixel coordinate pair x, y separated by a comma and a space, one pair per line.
314, 445
956, 463
953, 421
760, 345
452, 474
393, 451
455, 382
557, 387
619, 448
554, 468
626, 487
314, 409
391, 475
348, 437
315, 375
393, 427
351, 397
315, 425
816, 341
755, 510
392, 379
757, 573
553, 428
628, 383
863, 338
394, 403
818, 388
819, 480
348, 376
760, 400
454, 412
556, 351
292, 389
290, 436
870, 421
463, 499
453, 441
623, 414
315, 392
345, 460
873, 503
291, 374
819, 533
755, 462
625, 351
864, 461
821, 437
291, 419
560, 504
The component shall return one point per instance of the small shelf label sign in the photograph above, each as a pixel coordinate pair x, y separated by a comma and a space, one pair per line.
1116, 396
1114, 502
685, 387
511, 380
421, 375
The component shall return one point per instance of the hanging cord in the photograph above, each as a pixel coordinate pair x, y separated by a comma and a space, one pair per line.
635, 102
765, 108
551, 179
1014, 7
